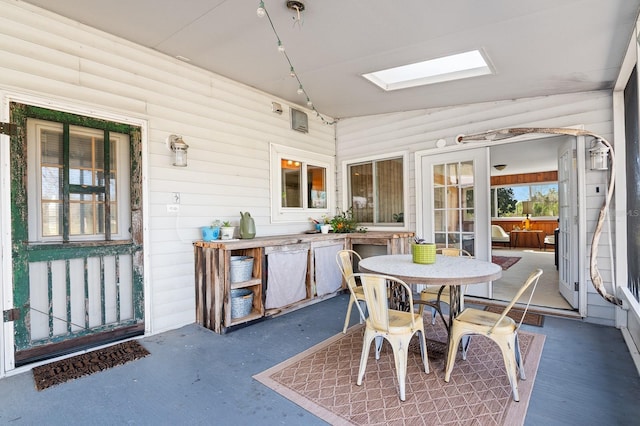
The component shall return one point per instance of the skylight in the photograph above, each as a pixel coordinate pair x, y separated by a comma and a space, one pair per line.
454, 67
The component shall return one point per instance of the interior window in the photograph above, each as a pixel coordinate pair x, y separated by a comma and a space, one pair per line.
294, 190
376, 191
301, 181
511, 201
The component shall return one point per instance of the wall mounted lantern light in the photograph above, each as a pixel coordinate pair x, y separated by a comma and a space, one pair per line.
599, 154
179, 148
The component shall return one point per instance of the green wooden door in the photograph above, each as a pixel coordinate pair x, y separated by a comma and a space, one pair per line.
77, 249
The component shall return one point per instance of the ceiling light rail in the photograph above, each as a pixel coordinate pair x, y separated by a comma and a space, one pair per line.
299, 7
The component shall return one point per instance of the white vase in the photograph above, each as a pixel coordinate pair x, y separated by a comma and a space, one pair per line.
226, 232
325, 228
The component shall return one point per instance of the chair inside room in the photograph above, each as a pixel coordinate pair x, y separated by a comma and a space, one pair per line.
430, 294
394, 326
345, 263
550, 240
498, 327
500, 236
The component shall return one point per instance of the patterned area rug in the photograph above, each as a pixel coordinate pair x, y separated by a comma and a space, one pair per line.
322, 381
64, 370
505, 262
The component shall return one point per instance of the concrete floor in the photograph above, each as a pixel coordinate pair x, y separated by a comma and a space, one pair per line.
196, 377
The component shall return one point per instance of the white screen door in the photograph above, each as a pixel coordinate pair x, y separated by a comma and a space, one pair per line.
455, 204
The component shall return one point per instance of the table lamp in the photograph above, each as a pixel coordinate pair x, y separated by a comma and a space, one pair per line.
527, 209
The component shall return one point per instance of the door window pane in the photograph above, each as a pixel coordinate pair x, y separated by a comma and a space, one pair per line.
86, 188
454, 215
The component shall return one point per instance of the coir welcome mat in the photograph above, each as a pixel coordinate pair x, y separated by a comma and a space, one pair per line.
64, 370
322, 381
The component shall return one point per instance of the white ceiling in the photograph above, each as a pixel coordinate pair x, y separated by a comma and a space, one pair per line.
537, 48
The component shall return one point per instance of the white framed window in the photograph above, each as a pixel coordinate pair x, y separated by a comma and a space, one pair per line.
376, 189
508, 201
79, 198
302, 184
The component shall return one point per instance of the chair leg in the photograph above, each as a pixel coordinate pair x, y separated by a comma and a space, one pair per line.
507, 345
363, 307
378, 340
433, 316
454, 341
519, 360
368, 338
400, 353
423, 350
466, 341
348, 317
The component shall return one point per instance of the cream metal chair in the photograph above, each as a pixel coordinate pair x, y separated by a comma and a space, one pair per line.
397, 327
430, 294
499, 235
356, 294
499, 328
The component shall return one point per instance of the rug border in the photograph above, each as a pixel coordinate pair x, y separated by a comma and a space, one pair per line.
514, 415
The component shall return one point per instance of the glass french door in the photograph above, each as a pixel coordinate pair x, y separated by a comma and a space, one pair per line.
455, 204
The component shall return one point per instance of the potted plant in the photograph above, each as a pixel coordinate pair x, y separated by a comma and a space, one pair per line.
344, 222
211, 232
227, 230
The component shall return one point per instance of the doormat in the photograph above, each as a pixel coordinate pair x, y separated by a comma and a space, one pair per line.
64, 370
530, 318
322, 380
505, 262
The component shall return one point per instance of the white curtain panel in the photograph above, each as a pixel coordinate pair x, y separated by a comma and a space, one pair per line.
287, 276
328, 275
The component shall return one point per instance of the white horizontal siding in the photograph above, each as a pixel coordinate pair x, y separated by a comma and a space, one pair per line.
419, 130
228, 127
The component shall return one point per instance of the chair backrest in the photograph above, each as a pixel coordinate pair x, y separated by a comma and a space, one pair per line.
451, 251
376, 296
345, 263
532, 280
498, 231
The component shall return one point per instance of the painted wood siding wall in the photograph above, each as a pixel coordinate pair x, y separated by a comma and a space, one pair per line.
227, 126
419, 130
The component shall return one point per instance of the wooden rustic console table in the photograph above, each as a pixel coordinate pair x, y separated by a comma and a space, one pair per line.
213, 263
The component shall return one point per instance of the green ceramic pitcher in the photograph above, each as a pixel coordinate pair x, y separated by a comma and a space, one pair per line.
247, 226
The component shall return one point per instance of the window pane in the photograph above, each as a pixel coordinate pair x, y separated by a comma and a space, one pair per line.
51, 147
80, 151
544, 198
81, 220
51, 183
317, 196
377, 191
51, 219
389, 202
291, 183
80, 177
361, 187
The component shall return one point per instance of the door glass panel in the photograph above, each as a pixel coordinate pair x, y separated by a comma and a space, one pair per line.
454, 215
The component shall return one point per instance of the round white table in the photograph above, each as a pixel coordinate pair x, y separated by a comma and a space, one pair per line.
452, 271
